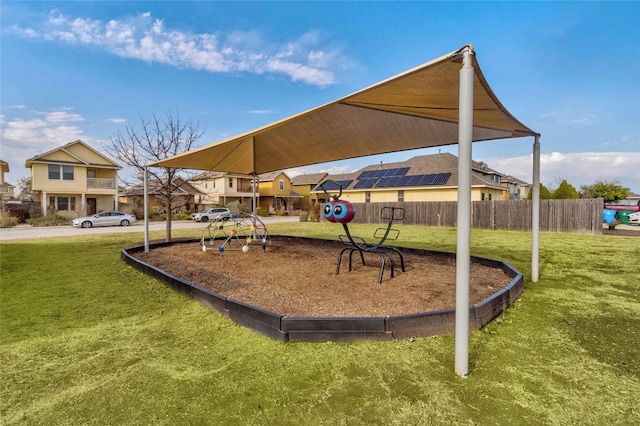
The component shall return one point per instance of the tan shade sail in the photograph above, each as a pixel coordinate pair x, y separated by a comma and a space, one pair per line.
415, 109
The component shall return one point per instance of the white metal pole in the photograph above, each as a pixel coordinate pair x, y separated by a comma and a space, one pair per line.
535, 211
146, 209
255, 207
463, 252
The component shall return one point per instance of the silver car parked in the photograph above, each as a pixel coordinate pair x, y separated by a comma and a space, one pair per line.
105, 219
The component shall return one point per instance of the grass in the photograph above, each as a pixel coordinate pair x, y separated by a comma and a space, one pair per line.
85, 339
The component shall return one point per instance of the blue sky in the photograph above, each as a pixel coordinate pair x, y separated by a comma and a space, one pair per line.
82, 70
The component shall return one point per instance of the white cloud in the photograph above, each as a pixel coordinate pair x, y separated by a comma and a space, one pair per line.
562, 118
260, 111
578, 168
147, 39
39, 132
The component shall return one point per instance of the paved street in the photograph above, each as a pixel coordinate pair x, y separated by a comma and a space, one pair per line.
25, 232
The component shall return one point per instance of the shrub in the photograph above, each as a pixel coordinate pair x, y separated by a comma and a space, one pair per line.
49, 220
8, 221
304, 216
262, 211
18, 211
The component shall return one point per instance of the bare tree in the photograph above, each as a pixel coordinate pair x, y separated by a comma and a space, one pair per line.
24, 188
157, 139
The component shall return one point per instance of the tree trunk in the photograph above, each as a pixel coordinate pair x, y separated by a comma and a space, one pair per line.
168, 221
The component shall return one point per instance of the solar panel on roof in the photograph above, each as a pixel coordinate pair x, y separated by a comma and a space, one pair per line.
402, 171
384, 182
394, 180
365, 183
404, 181
441, 178
415, 180
368, 174
333, 186
426, 180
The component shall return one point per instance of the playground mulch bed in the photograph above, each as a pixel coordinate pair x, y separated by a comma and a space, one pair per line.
297, 277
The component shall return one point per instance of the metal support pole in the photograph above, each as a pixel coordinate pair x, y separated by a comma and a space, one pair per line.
146, 209
463, 252
535, 212
255, 207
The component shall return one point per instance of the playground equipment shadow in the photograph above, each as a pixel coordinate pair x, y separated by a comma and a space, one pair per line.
331, 327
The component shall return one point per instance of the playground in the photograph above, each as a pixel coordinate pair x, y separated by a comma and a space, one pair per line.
297, 277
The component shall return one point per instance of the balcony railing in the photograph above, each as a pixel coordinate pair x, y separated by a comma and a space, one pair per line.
101, 183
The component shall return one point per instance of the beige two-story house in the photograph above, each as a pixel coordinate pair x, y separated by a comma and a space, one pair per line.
6, 189
74, 180
221, 188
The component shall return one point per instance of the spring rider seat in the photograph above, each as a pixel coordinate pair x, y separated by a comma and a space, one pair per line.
343, 212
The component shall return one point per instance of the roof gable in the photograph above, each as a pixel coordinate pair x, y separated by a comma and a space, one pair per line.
76, 152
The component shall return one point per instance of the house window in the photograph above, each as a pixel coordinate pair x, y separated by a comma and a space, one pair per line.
57, 171
54, 171
67, 172
63, 203
489, 197
230, 182
281, 184
400, 196
367, 196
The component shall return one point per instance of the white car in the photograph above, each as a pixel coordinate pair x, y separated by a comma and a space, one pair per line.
105, 219
216, 213
634, 218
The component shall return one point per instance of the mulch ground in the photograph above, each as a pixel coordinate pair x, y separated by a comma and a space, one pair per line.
297, 277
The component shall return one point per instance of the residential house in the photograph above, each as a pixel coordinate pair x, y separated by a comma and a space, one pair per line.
276, 192
184, 197
222, 188
303, 185
422, 178
518, 189
6, 189
74, 180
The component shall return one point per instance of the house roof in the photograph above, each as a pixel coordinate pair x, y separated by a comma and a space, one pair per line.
308, 179
4, 166
416, 109
443, 165
265, 177
73, 153
513, 179
180, 187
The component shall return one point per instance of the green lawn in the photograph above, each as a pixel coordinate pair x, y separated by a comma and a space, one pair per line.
86, 339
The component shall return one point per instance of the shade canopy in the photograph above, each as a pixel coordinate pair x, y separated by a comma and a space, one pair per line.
415, 109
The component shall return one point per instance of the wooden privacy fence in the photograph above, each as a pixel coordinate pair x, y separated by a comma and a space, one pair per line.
579, 216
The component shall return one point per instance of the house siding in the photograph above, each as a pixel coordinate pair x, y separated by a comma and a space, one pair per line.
82, 159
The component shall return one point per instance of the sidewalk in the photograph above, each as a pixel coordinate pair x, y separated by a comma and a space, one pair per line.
28, 232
